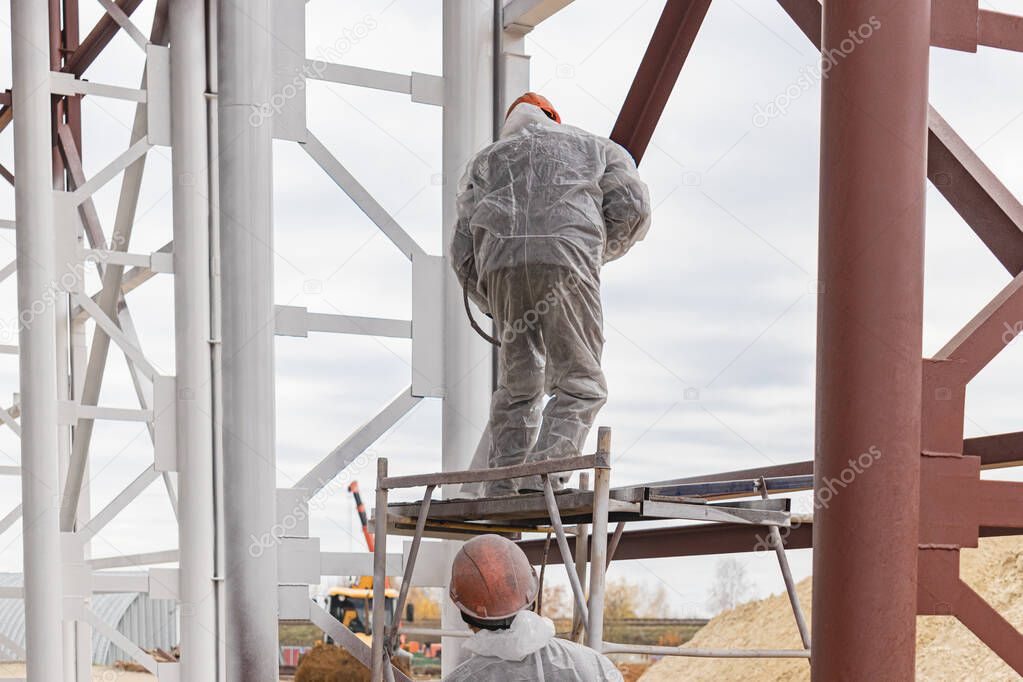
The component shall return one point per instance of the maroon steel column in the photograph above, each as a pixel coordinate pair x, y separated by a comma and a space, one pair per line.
873, 170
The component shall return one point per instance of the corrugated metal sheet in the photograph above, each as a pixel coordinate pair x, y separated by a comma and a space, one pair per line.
148, 622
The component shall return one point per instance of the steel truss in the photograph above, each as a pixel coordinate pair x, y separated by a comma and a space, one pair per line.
222, 393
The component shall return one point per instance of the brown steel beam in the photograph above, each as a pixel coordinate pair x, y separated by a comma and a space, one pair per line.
678, 541
996, 451
655, 79
1001, 450
705, 539
954, 24
873, 191
807, 15
1004, 31
987, 206
987, 334
99, 37
89, 49
773, 471
72, 41
962, 25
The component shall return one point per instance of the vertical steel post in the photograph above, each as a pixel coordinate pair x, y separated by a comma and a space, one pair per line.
190, 177
379, 621
37, 292
245, 46
598, 550
582, 556
778, 545
867, 468
467, 127
73, 663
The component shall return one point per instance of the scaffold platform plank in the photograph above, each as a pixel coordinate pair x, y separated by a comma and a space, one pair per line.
528, 512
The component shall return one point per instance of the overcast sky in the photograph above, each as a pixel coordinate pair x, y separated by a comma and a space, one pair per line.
710, 322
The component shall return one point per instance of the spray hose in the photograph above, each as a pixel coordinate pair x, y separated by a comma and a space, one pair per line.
472, 320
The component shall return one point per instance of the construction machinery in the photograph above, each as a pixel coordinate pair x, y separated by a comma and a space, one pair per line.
353, 604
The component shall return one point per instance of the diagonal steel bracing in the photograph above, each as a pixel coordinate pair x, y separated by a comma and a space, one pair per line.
131, 185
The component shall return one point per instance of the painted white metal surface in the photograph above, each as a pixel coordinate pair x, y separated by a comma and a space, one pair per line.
245, 160
36, 236
187, 399
467, 126
180, 88
527, 14
428, 276
287, 106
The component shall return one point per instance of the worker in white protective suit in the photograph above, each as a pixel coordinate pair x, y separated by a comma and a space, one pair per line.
493, 586
539, 212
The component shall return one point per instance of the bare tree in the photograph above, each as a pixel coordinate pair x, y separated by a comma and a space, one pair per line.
557, 603
731, 586
624, 598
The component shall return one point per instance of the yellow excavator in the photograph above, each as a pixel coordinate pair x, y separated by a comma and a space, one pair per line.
353, 605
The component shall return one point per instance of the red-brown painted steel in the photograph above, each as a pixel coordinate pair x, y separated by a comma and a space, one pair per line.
943, 593
869, 338
655, 79
996, 29
975, 193
954, 169
954, 24
692, 540
85, 53
708, 539
999, 450
94, 43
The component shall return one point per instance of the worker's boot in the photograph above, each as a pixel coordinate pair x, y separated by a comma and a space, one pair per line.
534, 484
502, 488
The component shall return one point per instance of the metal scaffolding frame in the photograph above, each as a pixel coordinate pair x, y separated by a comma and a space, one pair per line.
547, 512
208, 66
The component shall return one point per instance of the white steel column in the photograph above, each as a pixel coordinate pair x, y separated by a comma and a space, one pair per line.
468, 126
189, 136
37, 292
246, 228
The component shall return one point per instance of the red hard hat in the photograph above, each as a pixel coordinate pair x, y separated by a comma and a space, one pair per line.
491, 578
537, 100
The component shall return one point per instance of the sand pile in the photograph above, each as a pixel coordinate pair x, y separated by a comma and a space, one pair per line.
946, 650
329, 663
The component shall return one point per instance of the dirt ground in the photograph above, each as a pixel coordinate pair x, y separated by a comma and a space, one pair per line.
99, 673
946, 651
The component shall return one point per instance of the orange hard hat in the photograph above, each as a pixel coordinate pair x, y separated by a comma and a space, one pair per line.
538, 100
491, 579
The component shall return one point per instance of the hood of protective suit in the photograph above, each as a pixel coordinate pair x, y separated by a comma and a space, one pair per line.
522, 116
528, 634
529, 652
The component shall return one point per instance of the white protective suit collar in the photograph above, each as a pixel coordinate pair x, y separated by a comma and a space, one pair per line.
523, 115
528, 634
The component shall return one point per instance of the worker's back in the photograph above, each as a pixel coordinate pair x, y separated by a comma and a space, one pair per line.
537, 195
530, 651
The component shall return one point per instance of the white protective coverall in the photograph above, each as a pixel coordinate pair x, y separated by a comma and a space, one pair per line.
539, 212
528, 650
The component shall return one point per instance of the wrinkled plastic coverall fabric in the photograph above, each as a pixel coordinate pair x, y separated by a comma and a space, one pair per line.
530, 651
539, 212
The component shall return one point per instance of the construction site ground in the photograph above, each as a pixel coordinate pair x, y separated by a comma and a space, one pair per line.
945, 652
